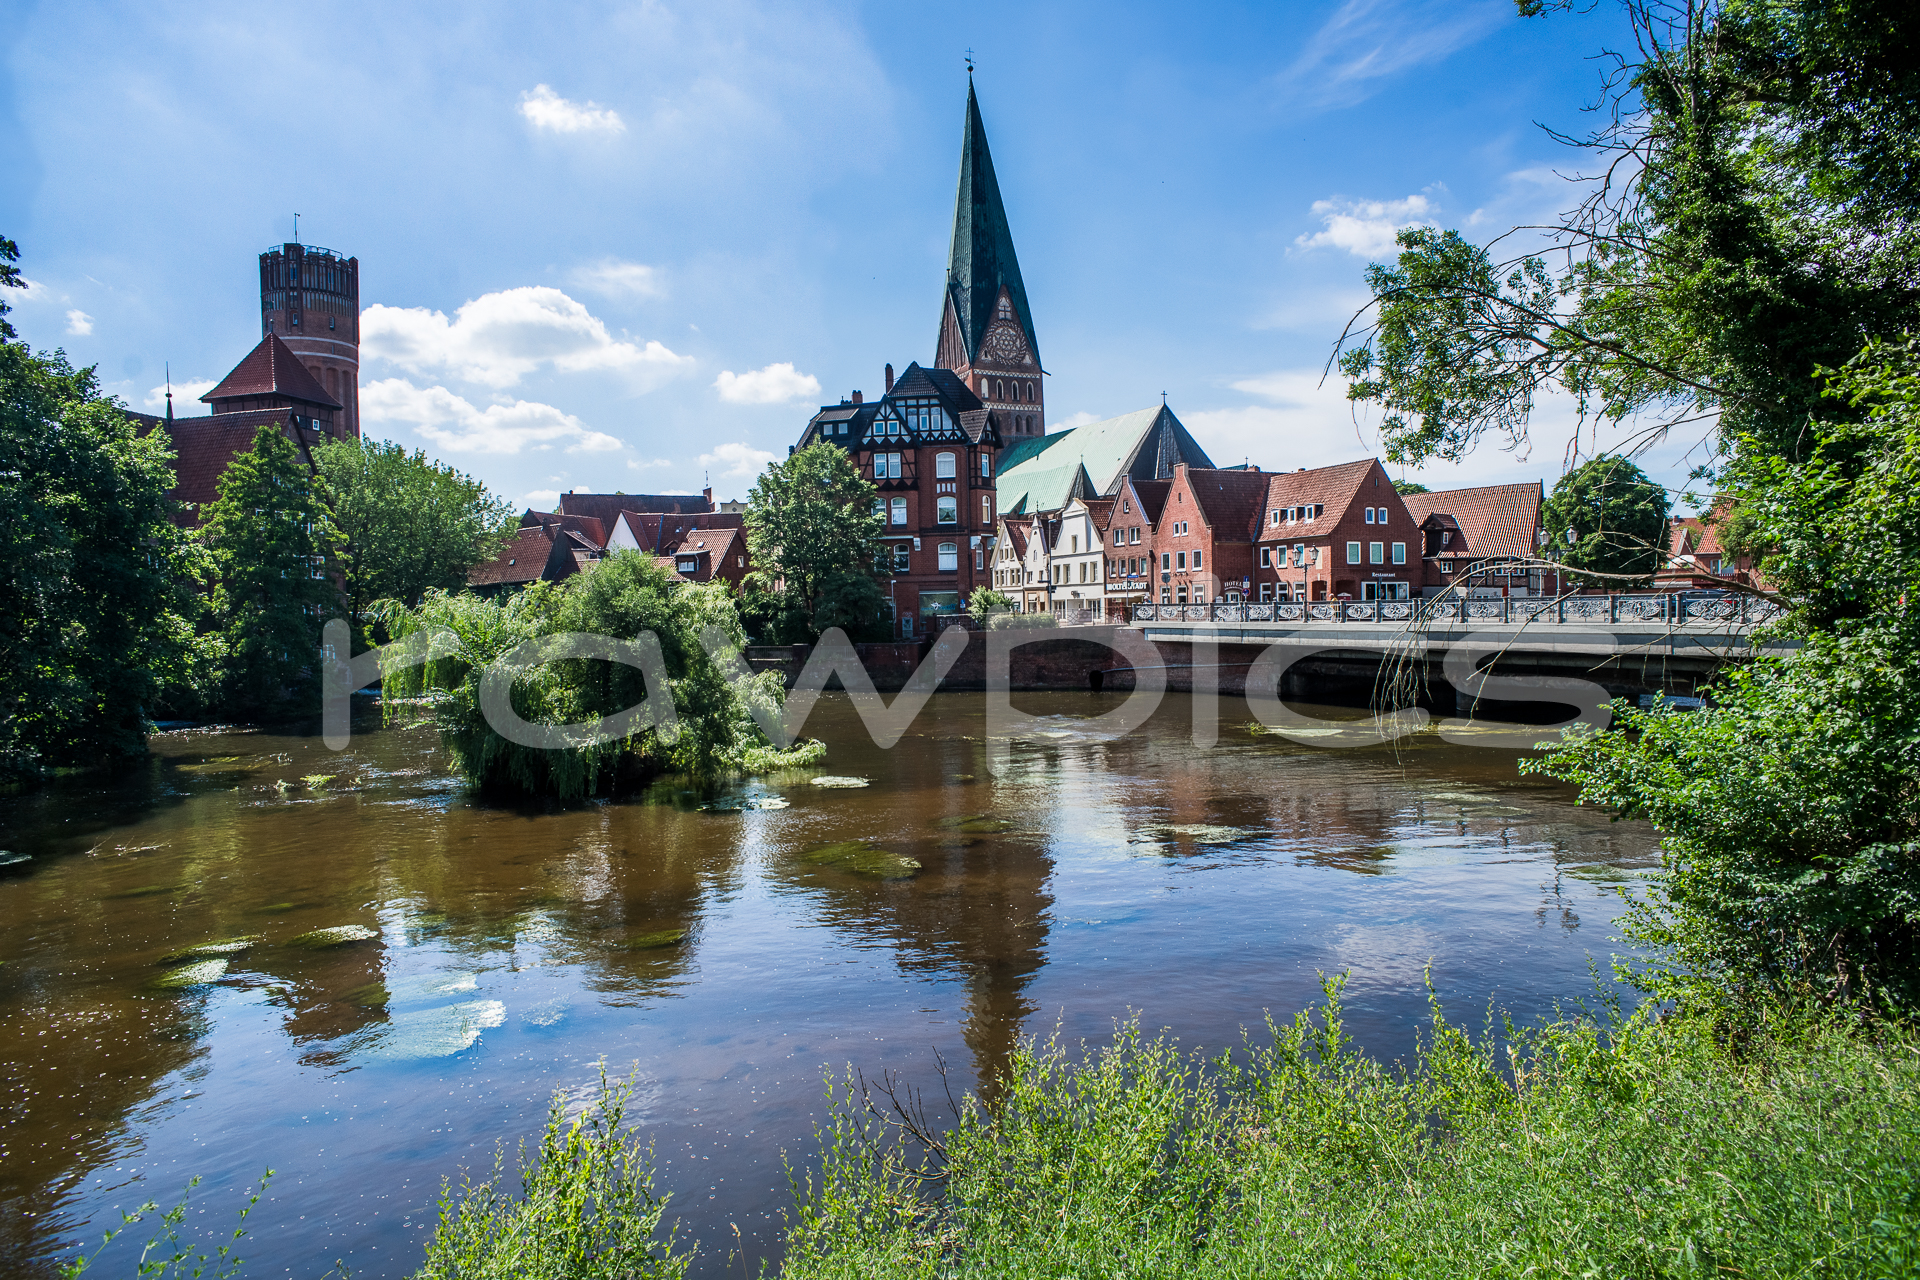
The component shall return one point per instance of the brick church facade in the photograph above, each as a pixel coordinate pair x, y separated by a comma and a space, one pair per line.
931, 443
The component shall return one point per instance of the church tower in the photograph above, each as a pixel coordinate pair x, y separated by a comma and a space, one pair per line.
310, 300
986, 329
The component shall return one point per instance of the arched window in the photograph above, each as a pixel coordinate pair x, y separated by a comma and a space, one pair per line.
947, 509
1026, 392
949, 557
944, 466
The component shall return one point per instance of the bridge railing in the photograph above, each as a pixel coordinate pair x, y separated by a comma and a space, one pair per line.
1667, 609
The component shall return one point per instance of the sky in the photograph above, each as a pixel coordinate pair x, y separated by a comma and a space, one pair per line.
632, 246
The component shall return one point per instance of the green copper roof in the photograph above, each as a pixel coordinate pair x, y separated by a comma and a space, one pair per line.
1036, 474
982, 260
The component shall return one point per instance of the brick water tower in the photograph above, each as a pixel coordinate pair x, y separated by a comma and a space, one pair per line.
310, 300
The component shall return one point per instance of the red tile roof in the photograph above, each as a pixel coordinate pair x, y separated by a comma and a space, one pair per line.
586, 526
1334, 488
606, 507
271, 369
203, 448
1229, 501
656, 532
530, 555
1497, 520
1018, 530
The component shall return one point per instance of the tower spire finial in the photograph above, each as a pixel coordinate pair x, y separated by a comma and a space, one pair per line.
169, 368
969, 64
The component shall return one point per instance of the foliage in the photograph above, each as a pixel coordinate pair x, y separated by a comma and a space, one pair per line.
272, 545
1021, 621
1790, 808
625, 596
1617, 515
1601, 1147
985, 601
813, 529
1731, 244
409, 524
9, 279
179, 1258
1407, 488
93, 573
585, 1209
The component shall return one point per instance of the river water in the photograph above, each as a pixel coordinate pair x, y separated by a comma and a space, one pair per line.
513, 949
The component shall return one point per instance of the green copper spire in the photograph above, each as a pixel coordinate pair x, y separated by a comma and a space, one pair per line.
982, 261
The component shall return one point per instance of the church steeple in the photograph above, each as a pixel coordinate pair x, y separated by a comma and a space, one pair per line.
986, 326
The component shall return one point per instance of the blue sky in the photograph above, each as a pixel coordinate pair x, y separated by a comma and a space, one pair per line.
628, 246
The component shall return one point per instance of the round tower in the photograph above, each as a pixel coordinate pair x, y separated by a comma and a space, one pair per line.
310, 300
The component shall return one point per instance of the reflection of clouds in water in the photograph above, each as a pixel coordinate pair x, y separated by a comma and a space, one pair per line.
429, 1033
585, 1097
1385, 956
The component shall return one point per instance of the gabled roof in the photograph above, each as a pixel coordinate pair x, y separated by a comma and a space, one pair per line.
1333, 487
530, 555
1017, 527
1149, 497
1044, 490
271, 369
204, 447
656, 533
606, 507
587, 527
1230, 501
1144, 445
981, 261
1498, 520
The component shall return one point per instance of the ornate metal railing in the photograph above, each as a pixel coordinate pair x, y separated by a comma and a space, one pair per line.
1612, 610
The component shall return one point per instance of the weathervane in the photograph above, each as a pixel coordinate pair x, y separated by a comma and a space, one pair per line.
296, 228
969, 63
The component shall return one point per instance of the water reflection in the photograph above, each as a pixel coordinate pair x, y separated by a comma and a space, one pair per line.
731, 948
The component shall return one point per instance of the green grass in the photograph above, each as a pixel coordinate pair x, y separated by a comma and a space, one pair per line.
1612, 1148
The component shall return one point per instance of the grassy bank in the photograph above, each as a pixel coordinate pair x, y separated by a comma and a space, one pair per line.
1644, 1149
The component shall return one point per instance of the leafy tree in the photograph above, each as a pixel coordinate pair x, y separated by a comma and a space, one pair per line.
1754, 227
985, 600
93, 572
1406, 488
409, 524
1618, 518
626, 596
9, 279
813, 528
273, 548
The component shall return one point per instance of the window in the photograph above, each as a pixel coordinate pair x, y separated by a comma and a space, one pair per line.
1133, 534
947, 510
986, 510
1166, 560
1266, 557
1166, 595
1299, 554
1273, 516
1196, 559
1353, 553
1383, 516
1180, 561
1399, 553
949, 557
986, 465
880, 507
944, 467
1376, 553
979, 559
1369, 515
899, 510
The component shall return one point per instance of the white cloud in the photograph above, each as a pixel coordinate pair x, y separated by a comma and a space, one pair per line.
734, 461
453, 422
1367, 41
79, 323
1071, 421
186, 395
1365, 228
546, 109
775, 384
619, 279
1307, 422
499, 338
647, 464
541, 499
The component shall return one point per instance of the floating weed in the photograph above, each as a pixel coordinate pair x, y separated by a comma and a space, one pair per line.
862, 859
835, 780
218, 947
1197, 833
653, 941
338, 936
190, 975
976, 824
282, 908
315, 781
144, 891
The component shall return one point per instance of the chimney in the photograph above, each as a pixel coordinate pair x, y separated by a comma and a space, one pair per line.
889, 380
707, 493
857, 398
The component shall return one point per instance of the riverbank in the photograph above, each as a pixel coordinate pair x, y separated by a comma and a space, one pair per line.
1587, 1148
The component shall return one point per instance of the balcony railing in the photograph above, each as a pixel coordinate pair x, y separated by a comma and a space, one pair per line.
1662, 610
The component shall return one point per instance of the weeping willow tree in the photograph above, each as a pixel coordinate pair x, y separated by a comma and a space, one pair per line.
584, 725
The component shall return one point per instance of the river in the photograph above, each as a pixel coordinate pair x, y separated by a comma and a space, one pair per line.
514, 948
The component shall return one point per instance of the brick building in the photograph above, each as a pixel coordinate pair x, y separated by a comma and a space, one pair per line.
1696, 561
1486, 540
1337, 531
1203, 542
1131, 522
310, 299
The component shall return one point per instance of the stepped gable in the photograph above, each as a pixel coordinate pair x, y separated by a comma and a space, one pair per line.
981, 261
1498, 521
270, 369
1153, 498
